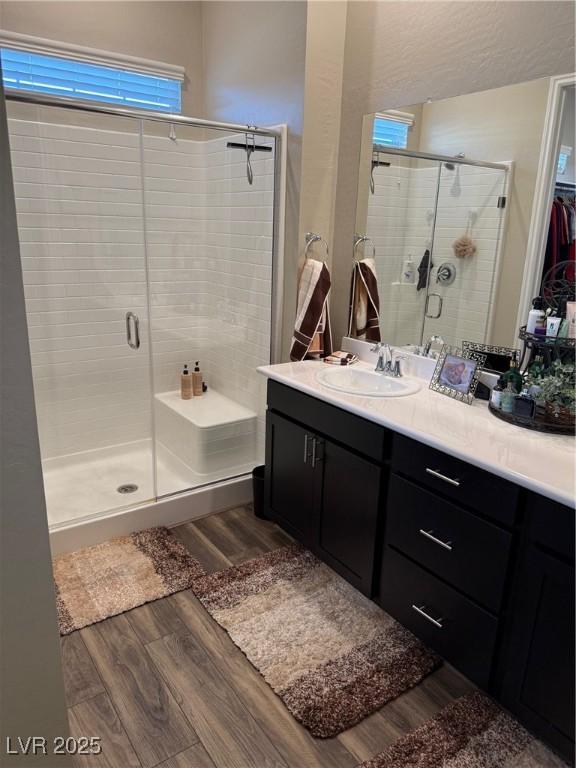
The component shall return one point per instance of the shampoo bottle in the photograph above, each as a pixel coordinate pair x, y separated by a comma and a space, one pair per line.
536, 316
197, 380
408, 271
186, 384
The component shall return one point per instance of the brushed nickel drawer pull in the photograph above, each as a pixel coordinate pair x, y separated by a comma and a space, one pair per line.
442, 477
430, 535
306, 438
315, 458
422, 612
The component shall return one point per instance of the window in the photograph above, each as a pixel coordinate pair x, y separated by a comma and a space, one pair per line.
31, 71
563, 158
391, 129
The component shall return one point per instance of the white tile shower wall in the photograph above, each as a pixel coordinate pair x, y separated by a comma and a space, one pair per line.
211, 279
82, 229
400, 222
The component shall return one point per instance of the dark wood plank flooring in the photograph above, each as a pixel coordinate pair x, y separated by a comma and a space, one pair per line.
163, 685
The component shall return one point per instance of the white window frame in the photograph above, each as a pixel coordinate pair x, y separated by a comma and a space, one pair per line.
41, 45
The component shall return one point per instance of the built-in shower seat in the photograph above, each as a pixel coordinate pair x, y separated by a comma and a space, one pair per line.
208, 433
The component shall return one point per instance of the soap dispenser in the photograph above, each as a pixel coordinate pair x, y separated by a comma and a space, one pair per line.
197, 380
186, 384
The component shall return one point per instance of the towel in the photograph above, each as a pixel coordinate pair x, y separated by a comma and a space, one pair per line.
424, 270
312, 335
364, 317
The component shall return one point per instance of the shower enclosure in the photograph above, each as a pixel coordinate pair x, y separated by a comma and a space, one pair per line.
422, 204
144, 245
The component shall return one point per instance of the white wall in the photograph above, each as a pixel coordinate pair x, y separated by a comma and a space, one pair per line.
31, 689
164, 31
254, 54
401, 53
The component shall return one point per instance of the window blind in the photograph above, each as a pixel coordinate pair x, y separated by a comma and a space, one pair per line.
390, 132
29, 71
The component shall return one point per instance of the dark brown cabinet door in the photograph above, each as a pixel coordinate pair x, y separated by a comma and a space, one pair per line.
347, 493
289, 486
539, 675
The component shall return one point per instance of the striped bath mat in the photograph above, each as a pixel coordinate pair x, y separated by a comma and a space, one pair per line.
472, 732
97, 582
330, 654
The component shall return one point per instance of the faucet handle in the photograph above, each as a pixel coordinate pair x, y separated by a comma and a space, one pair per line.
377, 347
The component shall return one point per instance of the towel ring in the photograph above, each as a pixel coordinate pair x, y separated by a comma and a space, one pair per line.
312, 238
358, 240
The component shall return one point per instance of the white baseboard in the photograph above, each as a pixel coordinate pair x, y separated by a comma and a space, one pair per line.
172, 511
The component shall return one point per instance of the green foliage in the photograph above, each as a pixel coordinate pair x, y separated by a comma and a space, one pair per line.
558, 387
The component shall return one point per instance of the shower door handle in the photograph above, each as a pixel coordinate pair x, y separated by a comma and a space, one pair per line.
441, 302
132, 320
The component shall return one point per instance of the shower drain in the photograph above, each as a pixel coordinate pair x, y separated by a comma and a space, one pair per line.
127, 488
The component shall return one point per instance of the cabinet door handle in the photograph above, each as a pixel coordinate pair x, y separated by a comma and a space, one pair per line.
315, 459
431, 619
442, 477
306, 438
430, 535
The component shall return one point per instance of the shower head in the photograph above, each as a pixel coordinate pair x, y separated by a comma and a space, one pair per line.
450, 166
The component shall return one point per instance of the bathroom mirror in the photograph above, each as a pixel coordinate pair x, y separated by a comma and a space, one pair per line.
445, 199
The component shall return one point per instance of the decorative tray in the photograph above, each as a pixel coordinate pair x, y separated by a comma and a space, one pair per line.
554, 341
542, 421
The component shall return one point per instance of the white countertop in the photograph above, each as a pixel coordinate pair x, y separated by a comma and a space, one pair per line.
542, 462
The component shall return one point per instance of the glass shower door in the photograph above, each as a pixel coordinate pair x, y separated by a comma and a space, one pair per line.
400, 222
210, 242
461, 291
78, 186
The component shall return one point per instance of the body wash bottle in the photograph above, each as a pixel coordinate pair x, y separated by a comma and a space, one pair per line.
186, 384
507, 399
496, 394
197, 380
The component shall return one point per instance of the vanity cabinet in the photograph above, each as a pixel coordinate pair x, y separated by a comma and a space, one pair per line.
538, 657
290, 487
324, 481
479, 568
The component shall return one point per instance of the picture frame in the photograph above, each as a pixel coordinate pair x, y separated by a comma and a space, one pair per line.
498, 359
457, 372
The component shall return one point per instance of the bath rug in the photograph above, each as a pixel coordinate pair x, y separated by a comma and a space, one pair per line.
471, 732
328, 652
95, 583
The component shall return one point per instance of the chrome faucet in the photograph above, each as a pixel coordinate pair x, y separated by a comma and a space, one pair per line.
396, 368
384, 363
435, 339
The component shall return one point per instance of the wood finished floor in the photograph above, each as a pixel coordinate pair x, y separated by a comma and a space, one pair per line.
163, 685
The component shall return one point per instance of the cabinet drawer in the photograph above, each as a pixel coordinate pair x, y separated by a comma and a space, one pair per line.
466, 551
551, 525
466, 484
458, 630
352, 431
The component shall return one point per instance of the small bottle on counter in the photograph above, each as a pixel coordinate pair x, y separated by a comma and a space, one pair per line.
524, 405
507, 399
514, 377
197, 380
536, 316
186, 384
496, 394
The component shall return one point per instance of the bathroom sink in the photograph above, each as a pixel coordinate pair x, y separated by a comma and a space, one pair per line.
359, 381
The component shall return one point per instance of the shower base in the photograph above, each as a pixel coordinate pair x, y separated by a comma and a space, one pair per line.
85, 486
